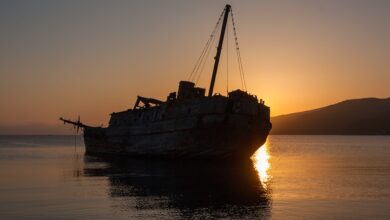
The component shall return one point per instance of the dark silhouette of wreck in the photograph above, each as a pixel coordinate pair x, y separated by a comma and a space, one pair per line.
187, 125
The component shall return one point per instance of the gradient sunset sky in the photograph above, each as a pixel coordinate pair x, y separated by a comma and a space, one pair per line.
91, 58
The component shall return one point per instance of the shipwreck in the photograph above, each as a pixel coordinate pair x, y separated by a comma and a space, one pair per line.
188, 124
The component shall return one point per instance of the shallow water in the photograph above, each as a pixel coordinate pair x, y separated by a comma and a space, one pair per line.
290, 177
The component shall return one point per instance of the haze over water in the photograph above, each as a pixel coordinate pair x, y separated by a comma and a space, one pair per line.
294, 177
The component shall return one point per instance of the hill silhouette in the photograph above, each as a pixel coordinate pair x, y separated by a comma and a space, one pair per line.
367, 116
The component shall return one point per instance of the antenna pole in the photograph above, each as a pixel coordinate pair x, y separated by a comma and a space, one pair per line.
219, 49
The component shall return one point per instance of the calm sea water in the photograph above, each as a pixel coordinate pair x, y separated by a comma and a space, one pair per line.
290, 177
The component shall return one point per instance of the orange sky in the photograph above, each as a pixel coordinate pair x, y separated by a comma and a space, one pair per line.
91, 58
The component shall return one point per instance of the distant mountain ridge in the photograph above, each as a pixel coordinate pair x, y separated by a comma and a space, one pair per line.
366, 116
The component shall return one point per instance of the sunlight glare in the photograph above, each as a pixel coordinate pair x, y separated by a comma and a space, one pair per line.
261, 163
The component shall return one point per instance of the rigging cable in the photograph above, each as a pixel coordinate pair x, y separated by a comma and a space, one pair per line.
200, 60
239, 60
208, 50
204, 60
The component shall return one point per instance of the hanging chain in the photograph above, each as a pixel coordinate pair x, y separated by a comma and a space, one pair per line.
201, 60
239, 60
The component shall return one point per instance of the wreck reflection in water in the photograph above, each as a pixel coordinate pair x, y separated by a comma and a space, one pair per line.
183, 189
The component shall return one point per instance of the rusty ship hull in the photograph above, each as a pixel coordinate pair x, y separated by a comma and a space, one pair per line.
196, 143
216, 127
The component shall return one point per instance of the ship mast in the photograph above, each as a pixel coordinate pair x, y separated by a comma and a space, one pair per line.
219, 49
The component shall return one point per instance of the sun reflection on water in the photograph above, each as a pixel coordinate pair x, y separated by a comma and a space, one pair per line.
261, 163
